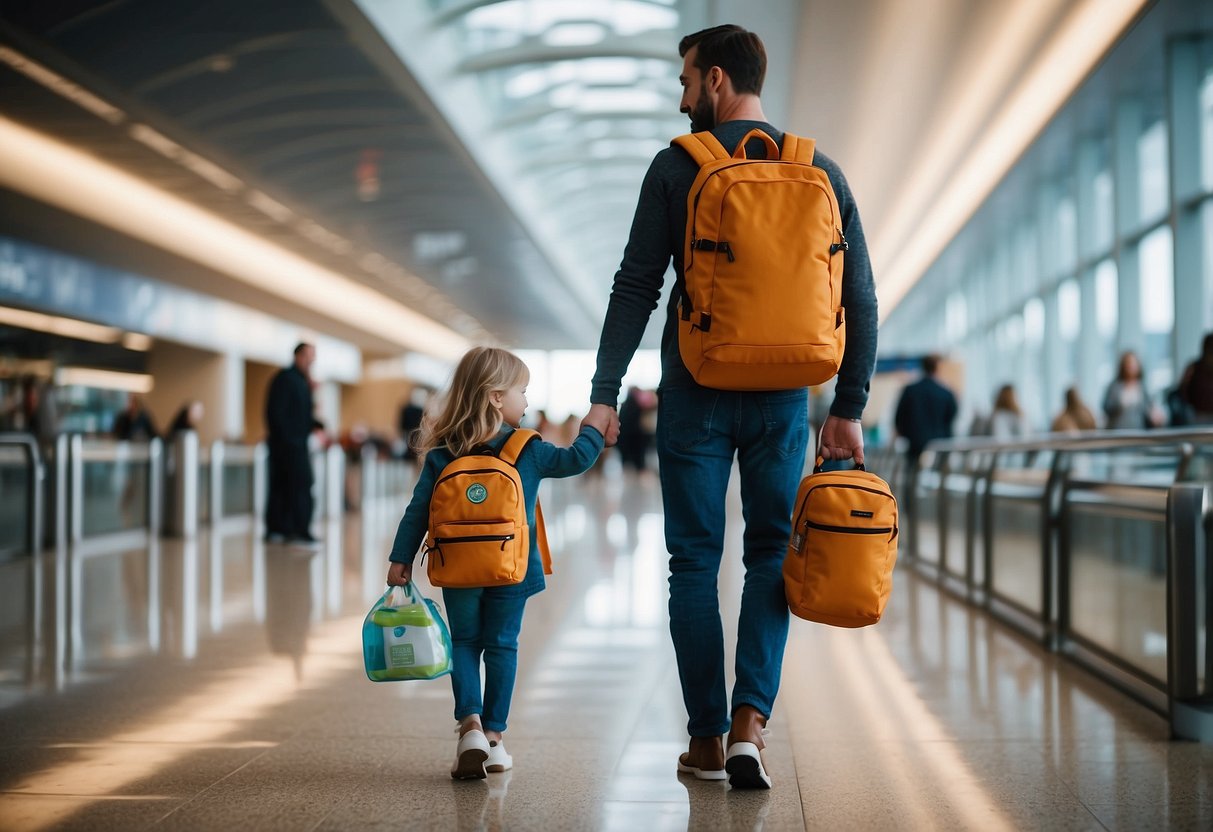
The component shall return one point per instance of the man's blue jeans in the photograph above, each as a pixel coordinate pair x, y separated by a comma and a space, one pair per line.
698, 432
482, 622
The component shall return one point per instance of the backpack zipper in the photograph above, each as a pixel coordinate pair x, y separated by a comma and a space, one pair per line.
473, 471
475, 538
822, 527
809, 493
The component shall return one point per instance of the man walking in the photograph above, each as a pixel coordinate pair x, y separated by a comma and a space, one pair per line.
290, 421
700, 430
926, 410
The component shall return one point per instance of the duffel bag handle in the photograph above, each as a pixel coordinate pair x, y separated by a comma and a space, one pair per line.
821, 461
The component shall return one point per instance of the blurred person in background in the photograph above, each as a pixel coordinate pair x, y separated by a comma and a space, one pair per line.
410, 419
1007, 420
1127, 403
290, 421
135, 423
1075, 417
1196, 385
926, 409
635, 433
187, 418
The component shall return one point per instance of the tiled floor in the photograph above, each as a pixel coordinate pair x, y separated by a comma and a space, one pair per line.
234, 699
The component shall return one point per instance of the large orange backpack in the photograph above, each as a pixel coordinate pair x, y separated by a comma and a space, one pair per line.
839, 565
761, 307
478, 533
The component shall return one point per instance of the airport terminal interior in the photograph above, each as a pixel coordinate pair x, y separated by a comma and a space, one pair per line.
190, 191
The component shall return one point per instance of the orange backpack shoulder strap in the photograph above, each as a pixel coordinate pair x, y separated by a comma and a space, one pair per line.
541, 535
797, 149
519, 439
703, 147
510, 452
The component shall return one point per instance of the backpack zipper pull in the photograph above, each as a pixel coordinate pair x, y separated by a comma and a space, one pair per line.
727, 249
842, 245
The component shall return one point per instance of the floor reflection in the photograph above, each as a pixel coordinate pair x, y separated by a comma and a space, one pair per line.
218, 684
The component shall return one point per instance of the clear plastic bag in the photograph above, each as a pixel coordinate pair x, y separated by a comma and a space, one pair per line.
405, 638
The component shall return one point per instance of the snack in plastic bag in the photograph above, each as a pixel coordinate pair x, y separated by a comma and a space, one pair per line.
404, 637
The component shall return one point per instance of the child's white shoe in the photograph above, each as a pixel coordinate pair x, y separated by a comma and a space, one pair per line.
470, 755
499, 759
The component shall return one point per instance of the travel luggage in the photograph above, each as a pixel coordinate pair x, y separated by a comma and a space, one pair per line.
478, 532
839, 564
761, 305
404, 637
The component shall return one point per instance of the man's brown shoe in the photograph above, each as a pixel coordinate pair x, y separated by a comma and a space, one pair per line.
743, 763
705, 759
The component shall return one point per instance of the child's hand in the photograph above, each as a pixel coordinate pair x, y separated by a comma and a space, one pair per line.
399, 574
605, 420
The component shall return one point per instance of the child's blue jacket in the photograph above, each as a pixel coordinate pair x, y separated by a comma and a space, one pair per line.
538, 460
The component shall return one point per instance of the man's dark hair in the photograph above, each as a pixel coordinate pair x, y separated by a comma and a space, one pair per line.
300, 347
738, 52
930, 363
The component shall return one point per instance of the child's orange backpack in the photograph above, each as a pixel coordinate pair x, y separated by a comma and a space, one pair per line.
478, 533
762, 302
839, 565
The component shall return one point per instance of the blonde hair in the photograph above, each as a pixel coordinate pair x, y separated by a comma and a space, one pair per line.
466, 418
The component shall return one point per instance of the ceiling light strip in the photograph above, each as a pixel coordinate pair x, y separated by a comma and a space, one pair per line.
55, 173
1080, 43
56, 325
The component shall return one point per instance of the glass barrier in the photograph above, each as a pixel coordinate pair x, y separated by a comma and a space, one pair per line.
1095, 538
204, 487
115, 487
237, 487
1118, 582
14, 501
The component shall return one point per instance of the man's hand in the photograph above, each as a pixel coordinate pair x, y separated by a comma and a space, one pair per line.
604, 419
399, 574
842, 439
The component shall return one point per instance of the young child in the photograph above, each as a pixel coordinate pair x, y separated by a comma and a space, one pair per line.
485, 403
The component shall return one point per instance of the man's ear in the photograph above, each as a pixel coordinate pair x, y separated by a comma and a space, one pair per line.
715, 79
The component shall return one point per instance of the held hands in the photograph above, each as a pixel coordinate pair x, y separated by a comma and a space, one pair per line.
604, 419
842, 439
399, 574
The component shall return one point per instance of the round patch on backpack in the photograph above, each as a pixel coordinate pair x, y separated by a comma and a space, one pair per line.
477, 493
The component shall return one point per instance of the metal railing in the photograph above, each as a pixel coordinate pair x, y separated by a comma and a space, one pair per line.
1050, 534
108, 582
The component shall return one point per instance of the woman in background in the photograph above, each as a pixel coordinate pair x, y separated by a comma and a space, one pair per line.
1127, 403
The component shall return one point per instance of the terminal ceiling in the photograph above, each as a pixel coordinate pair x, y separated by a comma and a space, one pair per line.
479, 161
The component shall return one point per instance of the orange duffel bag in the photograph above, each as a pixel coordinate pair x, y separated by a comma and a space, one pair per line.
839, 565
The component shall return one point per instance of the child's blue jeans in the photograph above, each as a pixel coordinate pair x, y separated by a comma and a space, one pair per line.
483, 622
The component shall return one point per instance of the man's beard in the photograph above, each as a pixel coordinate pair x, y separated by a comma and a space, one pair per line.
702, 116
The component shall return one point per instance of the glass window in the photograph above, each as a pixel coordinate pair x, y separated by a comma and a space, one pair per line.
956, 318
1069, 310
1101, 208
1030, 379
1156, 263
1152, 171
1206, 131
1069, 324
1206, 211
1107, 296
1034, 322
1067, 235
1106, 299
